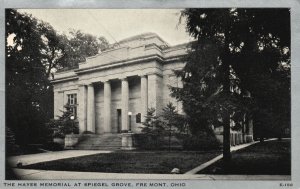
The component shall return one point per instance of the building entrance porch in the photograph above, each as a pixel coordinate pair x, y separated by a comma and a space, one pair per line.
104, 106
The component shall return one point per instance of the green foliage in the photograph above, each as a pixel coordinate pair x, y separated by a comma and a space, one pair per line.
200, 142
237, 65
152, 124
77, 46
201, 94
155, 127
34, 50
64, 124
10, 142
52, 146
172, 121
149, 141
252, 46
28, 92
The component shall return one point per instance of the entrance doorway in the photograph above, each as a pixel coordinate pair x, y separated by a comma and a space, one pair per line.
119, 120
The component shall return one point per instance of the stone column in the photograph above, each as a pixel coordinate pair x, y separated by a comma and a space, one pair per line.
179, 103
125, 104
82, 118
107, 107
155, 92
144, 97
91, 108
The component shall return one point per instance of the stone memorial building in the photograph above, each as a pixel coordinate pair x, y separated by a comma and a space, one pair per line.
110, 93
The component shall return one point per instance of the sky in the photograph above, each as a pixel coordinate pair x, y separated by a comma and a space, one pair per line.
117, 24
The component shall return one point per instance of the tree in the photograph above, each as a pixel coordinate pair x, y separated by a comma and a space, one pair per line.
10, 142
34, 50
77, 46
172, 121
52, 49
152, 123
152, 131
64, 124
27, 84
62, 51
233, 49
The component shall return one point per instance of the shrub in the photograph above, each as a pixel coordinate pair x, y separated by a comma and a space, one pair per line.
10, 142
64, 125
53, 146
200, 142
87, 132
152, 124
148, 141
57, 134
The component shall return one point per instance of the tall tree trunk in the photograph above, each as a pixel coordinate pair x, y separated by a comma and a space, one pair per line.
226, 118
226, 122
243, 127
226, 142
170, 135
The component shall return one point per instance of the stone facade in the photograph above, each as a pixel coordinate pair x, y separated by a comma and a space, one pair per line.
131, 77
128, 78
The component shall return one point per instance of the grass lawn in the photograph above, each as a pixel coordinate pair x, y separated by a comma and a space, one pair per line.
267, 158
130, 162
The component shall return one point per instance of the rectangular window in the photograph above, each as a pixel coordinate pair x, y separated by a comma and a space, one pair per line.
72, 101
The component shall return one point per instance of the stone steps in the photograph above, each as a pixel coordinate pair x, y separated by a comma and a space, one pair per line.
100, 142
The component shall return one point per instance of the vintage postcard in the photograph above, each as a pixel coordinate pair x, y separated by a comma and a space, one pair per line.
149, 94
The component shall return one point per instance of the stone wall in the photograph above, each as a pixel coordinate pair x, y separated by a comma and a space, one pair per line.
61, 91
142, 55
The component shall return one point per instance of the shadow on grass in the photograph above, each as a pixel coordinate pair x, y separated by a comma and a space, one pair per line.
9, 173
267, 158
130, 162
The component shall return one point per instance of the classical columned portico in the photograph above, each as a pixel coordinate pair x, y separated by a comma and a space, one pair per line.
91, 108
99, 119
144, 97
107, 107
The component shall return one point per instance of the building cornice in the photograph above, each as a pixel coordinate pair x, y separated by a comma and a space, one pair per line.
176, 47
147, 35
115, 64
63, 79
120, 63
